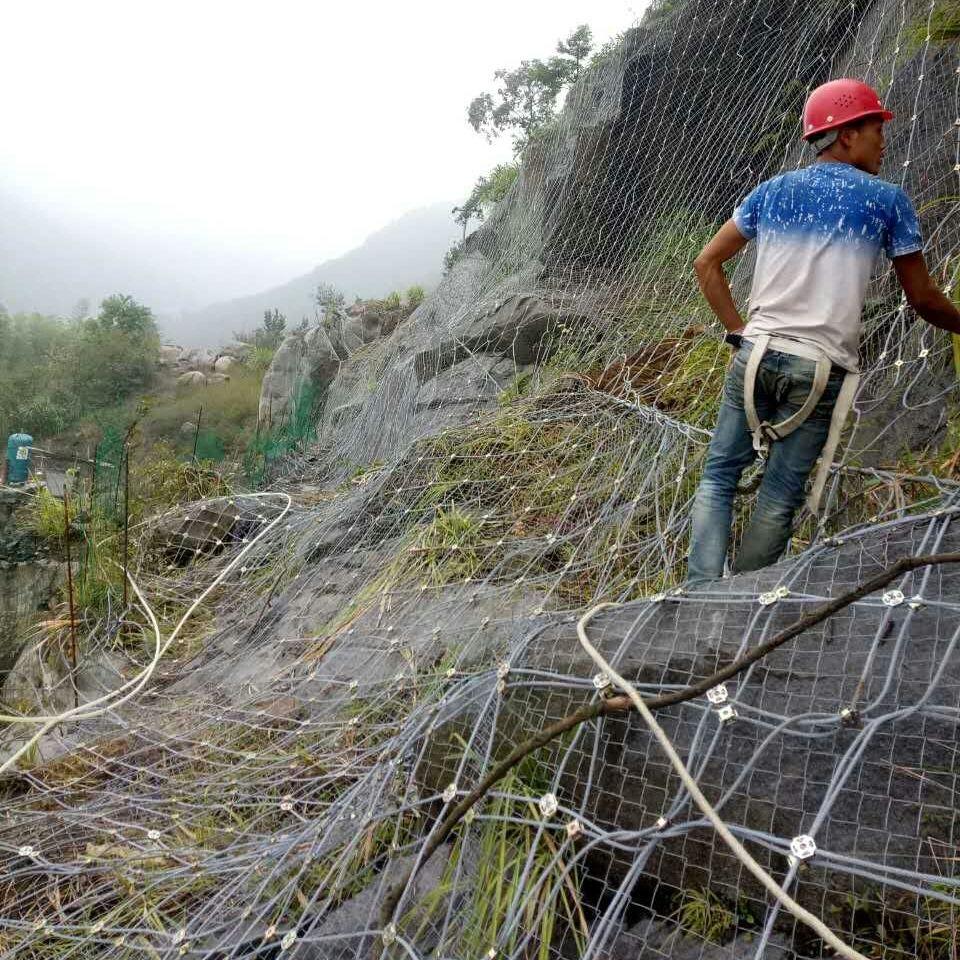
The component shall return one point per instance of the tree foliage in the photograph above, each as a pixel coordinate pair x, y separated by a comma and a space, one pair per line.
488, 191
328, 299
268, 336
526, 96
274, 324
52, 371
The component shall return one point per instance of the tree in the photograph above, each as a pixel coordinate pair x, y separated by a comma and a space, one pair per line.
81, 309
328, 298
576, 48
274, 324
120, 312
526, 98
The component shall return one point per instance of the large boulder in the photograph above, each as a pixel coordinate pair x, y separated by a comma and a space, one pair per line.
224, 364
170, 354
204, 528
43, 681
192, 378
305, 360
874, 779
235, 349
200, 359
363, 323
26, 587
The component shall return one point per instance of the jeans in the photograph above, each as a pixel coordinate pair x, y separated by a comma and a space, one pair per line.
783, 383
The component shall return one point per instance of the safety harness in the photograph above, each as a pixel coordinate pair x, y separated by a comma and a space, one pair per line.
765, 432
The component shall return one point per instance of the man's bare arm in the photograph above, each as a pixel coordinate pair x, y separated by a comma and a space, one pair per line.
726, 243
923, 294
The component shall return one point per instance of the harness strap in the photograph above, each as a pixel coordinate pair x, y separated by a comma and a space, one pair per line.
843, 406
763, 432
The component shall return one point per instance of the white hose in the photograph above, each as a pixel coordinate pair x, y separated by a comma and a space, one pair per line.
741, 853
108, 701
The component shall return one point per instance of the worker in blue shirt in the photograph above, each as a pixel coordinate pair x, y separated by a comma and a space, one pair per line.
819, 231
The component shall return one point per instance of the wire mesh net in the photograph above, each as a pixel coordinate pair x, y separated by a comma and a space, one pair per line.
349, 715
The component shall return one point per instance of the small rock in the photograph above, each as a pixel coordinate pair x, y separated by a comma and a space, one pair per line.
193, 378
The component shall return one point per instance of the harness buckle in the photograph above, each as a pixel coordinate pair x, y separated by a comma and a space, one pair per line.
761, 446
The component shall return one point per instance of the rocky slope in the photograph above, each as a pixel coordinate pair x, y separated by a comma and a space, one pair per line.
398, 614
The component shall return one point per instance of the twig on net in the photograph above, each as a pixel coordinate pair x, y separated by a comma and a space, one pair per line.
622, 704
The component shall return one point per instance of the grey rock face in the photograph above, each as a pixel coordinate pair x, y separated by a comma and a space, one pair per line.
303, 359
25, 588
40, 680
657, 938
905, 659
521, 328
205, 529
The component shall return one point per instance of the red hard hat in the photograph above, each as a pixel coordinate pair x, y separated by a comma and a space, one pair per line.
839, 102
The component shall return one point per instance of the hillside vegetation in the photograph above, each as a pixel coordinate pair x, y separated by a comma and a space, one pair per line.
378, 708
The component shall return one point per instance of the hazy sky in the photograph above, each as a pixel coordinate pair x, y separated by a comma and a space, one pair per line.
295, 128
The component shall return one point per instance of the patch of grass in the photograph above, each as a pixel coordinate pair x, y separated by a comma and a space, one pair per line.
900, 926
703, 914
694, 387
521, 387
545, 896
450, 548
229, 412
47, 517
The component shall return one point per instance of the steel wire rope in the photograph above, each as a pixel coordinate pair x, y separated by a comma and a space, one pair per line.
741, 853
113, 699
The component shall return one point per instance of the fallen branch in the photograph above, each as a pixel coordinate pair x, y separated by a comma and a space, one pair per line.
622, 704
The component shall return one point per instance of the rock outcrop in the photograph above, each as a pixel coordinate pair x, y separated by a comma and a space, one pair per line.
410, 620
29, 579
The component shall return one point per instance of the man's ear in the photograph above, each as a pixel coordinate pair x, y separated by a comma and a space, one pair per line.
849, 135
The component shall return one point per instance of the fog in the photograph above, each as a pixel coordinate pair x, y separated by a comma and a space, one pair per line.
196, 152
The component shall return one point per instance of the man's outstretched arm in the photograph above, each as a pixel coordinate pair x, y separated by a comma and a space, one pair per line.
726, 243
923, 294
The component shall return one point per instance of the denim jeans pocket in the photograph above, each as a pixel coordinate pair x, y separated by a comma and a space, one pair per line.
800, 383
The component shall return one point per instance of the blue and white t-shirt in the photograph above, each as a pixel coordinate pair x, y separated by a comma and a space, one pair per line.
819, 231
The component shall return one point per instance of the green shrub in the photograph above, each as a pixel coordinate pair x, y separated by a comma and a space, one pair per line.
161, 479
414, 296
392, 300
46, 516
454, 254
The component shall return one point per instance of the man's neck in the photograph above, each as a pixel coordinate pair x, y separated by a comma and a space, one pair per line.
828, 157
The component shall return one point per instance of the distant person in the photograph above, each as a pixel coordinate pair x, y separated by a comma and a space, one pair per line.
791, 384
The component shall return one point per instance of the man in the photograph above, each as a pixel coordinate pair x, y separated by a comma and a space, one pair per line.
790, 385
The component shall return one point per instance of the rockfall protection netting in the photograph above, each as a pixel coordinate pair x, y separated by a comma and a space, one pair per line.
311, 682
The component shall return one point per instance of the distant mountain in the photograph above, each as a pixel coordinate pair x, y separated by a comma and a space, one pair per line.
407, 251
51, 258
